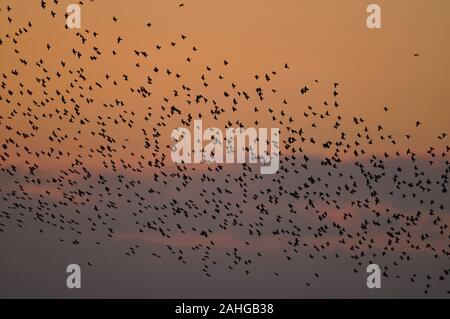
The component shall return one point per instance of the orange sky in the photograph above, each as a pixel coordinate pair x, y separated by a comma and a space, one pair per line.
323, 40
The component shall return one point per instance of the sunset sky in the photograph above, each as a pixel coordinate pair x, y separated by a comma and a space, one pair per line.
403, 66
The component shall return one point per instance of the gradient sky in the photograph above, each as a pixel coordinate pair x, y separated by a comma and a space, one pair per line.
327, 41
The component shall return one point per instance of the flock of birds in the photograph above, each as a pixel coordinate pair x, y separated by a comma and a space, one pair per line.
79, 161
